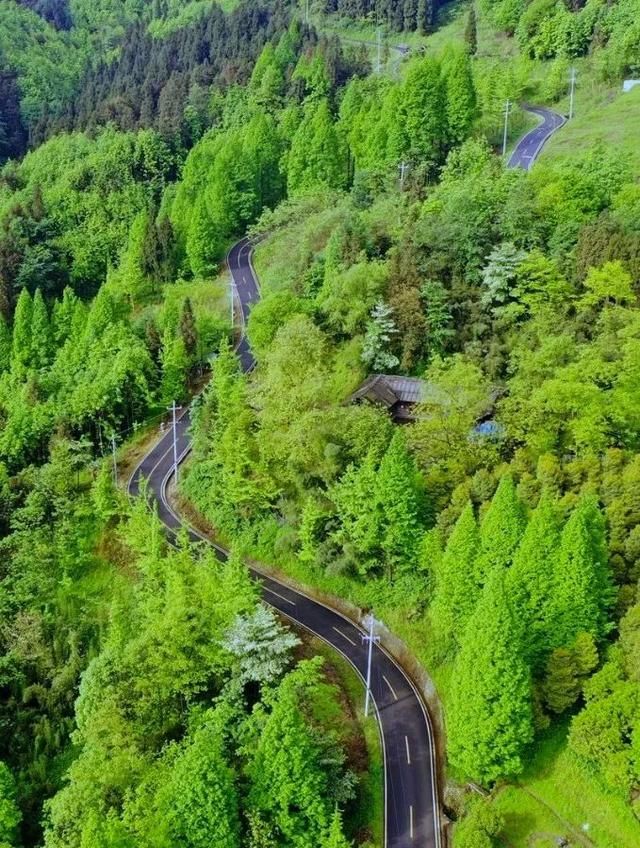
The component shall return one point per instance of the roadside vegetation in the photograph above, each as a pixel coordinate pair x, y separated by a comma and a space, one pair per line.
498, 534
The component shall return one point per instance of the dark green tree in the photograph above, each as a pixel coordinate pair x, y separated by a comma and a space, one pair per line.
501, 530
471, 32
457, 589
490, 716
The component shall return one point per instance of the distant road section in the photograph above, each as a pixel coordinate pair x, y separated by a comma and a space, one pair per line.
529, 147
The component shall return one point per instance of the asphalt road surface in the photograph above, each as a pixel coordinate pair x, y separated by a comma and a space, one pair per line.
412, 815
529, 147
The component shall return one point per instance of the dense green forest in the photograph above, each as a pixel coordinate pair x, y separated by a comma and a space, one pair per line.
498, 534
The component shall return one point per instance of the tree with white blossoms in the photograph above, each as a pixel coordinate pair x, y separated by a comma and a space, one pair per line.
380, 332
261, 645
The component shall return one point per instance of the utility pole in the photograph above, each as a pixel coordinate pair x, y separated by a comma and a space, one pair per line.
173, 408
115, 462
379, 60
403, 168
507, 112
572, 91
370, 622
306, 12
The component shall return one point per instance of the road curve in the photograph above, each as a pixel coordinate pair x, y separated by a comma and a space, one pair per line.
412, 816
530, 145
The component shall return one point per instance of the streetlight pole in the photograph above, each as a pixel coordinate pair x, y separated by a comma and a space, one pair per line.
572, 92
370, 637
507, 112
403, 167
173, 409
115, 463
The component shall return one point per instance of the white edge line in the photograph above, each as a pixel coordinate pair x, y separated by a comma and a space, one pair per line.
344, 636
393, 691
282, 597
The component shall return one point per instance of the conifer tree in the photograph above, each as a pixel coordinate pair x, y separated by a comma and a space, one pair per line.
398, 499
461, 97
471, 32
5, 346
561, 686
380, 333
582, 592
335, 837
41, 347
202, 804
62, 316
203, 240
21, 344
318, 155
530, 579
501, 530
425, 103
490, 717
457, 590
188, 329
174, 369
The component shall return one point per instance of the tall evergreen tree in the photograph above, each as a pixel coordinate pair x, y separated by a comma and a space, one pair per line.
461, 96
5, 345
457, 589
335, 837
501, 530
174, 369
22, 344
399, 506
202, 804
188, 330
490, 717
41, 342
531, 578
471, 32
425, 104
582, 591
318, 155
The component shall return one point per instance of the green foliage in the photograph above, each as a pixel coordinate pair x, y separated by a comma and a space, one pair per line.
479, 827
490, 718
457, 589
296, 775
10, 815
501, 530
582, 592
261, 646
531, 577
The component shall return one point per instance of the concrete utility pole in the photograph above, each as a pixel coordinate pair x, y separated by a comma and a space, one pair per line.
370, 623
403, 167
173, 409
379, 59
306, 11
572, 91
115, 462
507, 112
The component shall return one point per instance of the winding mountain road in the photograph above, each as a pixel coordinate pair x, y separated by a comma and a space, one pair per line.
412, 813
530, 145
